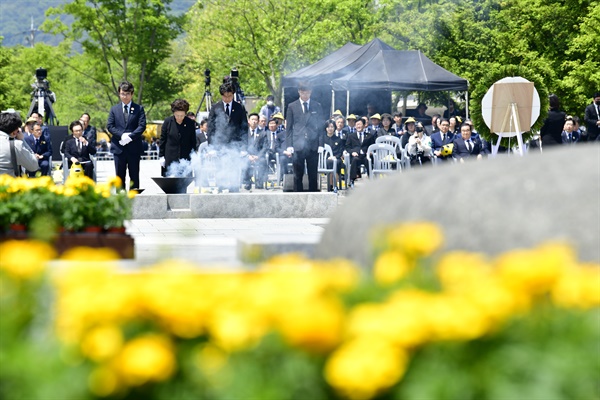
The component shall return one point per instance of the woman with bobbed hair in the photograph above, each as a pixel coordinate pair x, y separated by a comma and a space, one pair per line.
177, 136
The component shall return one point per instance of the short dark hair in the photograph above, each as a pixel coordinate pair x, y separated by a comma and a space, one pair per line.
398, 114
554, 101
191, 114
467, 124
270, 97
10, 122
329, 122
226, 87
126, 87
597, 94
88, 115
444, 120
304, 86
388, 116
74, 124
252, 114
203, 122
180, 105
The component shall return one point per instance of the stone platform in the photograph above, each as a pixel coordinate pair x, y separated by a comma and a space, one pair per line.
267, 204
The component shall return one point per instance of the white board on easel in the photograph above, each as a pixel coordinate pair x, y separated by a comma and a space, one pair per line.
510, 107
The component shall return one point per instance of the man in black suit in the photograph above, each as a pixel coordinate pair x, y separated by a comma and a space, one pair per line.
258, 143
126, 124
592, 119
228, 135
357, 145
304, 137
42, 149
79, 149
441, 138
467, 146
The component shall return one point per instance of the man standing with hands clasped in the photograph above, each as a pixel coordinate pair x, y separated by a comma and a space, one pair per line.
126, 123
304, 137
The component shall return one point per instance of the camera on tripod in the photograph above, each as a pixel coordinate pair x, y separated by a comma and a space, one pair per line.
42, 97
207, 77
234, 80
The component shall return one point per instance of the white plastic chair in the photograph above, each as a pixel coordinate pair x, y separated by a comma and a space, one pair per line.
322, 168
382, 159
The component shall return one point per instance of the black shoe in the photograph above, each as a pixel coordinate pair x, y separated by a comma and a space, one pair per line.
247, 186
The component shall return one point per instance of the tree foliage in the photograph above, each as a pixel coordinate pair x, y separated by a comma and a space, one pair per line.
127, 40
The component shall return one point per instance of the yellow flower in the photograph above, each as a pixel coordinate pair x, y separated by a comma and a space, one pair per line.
145, 359
90, 254
454, 317
535, 271
102, 343
459, 270
578, 288
315, 325
418, 239
363, 367
390, 267
25, 259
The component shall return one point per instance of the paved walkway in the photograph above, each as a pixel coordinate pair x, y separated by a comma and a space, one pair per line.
214, 242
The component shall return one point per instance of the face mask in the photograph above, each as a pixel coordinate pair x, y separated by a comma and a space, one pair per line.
269, 103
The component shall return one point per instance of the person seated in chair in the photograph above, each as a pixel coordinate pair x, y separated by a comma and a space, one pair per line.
441, 138
42, 149
466, 146
419, 147
337, 148
357, 145
79, 149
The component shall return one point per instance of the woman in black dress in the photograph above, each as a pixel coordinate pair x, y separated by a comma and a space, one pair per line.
177, 137
554, 123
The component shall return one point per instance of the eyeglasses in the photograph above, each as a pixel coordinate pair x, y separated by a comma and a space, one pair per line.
125, 94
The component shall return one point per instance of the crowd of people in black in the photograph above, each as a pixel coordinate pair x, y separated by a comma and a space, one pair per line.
294, 141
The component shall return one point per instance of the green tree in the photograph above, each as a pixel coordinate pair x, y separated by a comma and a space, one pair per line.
267, 39
124, 40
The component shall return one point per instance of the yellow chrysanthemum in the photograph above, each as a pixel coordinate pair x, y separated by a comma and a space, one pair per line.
25, 259
145, 359
103, 381
578, 288
390, 267
102, 343
362, 368
419, 239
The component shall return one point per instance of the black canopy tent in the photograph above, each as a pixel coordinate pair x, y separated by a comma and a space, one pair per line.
376, 66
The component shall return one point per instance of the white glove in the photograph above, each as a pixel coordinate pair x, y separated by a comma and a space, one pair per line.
290, 150
125, 139
321, 149
162, 161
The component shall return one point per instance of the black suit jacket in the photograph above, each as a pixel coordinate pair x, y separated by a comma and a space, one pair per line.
591, 118
304, 130
258, 145
224, 130
436, 140
353, 143
460, 148
70, 148
136, 125
177, 143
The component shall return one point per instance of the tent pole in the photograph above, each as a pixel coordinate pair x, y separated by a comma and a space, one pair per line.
282, 99
332, 101
467, 107
347, 102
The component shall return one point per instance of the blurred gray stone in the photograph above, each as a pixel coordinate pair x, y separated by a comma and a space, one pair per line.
489, 206
235, 205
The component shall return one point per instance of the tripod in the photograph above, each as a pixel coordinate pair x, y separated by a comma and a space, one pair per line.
205, 97
41, 101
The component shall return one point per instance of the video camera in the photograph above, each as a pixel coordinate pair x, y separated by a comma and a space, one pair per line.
233, 79
207, 77
42, 85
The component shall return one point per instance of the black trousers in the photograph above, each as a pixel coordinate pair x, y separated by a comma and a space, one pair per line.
355, 164
311, 158
128, 161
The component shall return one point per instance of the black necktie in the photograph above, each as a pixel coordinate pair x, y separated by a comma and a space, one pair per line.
126, 113
469, 146
305, 107
37, 145
78, 145
227, 109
